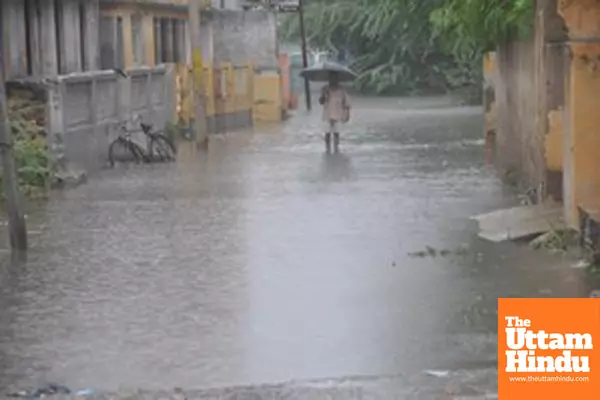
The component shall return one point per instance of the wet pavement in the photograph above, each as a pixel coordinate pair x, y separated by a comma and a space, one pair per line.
266, 260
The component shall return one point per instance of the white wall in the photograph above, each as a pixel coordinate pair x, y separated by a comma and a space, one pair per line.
228, 4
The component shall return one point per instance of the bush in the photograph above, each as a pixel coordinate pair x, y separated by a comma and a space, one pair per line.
30, 148
33, 172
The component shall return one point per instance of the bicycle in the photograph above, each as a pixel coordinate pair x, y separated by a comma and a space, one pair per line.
160, 147
129, 148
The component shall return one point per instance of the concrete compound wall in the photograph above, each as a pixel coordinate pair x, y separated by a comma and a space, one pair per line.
227, 4
239, 38
517, 143
552, 59
546, 90
524, 99
85, 109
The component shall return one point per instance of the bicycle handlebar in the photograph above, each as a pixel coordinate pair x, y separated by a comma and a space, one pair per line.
137, 120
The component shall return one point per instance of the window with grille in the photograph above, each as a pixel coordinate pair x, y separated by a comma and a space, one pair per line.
137, 40
170, 40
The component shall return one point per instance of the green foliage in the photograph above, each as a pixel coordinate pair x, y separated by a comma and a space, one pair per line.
172, 130
30, 149
391, 41
179, 130
33, 172
412, 46
479, 25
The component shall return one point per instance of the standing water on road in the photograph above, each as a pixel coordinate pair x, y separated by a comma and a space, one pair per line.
266, 260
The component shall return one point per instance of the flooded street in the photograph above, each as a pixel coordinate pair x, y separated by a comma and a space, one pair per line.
266, 260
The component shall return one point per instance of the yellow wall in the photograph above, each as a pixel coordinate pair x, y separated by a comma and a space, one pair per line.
148, 32
554, 141
209, 86
267, 98
583, 104
125, 10
581, 17
236, 82
582, 175
489, 74
183, 92
489, 64
243, 85
183, 72
236, 90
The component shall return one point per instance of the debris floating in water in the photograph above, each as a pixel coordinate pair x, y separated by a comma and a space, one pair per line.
433, 252
85, 393
49, 390
437, 374
582, 264
179, 394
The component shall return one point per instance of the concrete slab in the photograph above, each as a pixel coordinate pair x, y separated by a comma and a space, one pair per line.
519, 222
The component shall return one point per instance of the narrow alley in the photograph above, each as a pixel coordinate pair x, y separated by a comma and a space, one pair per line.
266, 260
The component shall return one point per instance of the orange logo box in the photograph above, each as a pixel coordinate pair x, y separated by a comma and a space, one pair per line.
548, 349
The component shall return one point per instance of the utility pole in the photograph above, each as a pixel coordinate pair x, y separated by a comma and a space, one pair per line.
198, 72
16, 219
304, 55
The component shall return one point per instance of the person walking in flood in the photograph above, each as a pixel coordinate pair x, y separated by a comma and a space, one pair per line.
334, 97
336, 109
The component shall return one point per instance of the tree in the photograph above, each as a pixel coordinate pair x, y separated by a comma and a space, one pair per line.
479, 25
390, 40
412, 46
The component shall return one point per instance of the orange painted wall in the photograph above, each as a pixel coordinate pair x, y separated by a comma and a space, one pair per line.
286, 90
582, 131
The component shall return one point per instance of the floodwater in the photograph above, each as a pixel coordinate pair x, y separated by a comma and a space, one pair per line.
266, 260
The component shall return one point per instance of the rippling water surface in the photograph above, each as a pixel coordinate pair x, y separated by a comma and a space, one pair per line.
266, 260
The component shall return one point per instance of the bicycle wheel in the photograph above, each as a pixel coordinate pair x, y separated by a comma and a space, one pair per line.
167, 140
161, 149
123, 150
139, 151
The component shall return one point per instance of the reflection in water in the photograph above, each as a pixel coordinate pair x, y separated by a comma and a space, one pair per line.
127, 265
336, 166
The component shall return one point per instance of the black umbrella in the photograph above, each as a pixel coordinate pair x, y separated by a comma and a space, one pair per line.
322, 71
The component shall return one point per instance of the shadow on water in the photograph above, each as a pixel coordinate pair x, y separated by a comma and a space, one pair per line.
336, 166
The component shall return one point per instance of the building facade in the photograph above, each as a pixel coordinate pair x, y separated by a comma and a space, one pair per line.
105, 62
49, 37
542, 104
